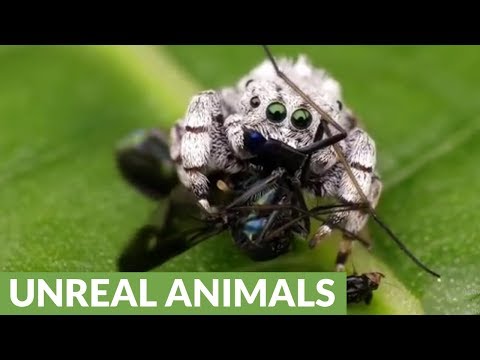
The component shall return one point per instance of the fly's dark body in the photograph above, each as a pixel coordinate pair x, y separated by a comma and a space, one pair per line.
251, 229
360, 288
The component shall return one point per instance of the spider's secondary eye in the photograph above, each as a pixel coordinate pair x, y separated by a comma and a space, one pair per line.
255, 102
301, 119
276, 112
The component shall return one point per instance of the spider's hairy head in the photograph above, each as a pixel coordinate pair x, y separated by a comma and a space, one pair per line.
271, 107
302, 72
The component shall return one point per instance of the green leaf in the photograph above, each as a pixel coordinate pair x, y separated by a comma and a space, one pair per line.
65, 208
62, 110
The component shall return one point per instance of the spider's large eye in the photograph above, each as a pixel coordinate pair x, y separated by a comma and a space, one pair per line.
255, 102
276, 112
301, 119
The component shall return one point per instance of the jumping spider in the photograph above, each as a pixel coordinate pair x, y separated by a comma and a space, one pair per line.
284, 122
221, 128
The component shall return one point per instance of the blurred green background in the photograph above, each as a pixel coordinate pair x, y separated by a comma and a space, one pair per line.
64, 207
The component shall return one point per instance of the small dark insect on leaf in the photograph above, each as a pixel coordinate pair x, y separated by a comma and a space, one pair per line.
360, 287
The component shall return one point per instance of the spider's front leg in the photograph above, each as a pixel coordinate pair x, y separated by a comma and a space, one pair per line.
199, 145
191, 140
361, 157
235, 134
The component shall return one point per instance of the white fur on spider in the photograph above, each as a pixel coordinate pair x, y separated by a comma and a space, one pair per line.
210, 137
302, 72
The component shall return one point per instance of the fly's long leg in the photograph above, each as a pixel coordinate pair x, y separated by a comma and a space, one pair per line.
318, 145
